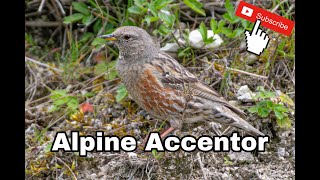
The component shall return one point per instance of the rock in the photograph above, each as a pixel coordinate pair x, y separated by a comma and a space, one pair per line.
225, 176
251, 59
244, 94
170, 47
242, 90
132, 155
196, 40
246, 97
241, 156
281, 152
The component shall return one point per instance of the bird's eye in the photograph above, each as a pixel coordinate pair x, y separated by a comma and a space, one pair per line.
127, 37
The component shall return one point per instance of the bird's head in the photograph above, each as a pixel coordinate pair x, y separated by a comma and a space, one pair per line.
132, 42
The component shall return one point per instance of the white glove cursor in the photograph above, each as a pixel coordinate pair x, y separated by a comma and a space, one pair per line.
257, 40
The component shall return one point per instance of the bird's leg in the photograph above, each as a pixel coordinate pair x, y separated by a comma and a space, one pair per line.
165, 133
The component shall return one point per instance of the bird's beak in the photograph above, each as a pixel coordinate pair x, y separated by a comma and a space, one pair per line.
109, 37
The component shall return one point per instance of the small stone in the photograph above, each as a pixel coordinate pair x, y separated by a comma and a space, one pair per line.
241, 156
251, 59
170, 47
243, 90
281, 152
225, 176
244, 94
132, 155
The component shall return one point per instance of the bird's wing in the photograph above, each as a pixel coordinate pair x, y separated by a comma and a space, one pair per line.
175, 75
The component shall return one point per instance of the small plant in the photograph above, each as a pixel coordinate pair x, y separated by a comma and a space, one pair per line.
61, 99
156, 11
204, 33
270, 103
231, 18
121, 93
196, 6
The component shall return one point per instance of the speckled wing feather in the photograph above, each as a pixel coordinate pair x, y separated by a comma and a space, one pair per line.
173, 74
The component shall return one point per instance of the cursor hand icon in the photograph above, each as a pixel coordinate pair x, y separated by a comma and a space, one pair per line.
257, 40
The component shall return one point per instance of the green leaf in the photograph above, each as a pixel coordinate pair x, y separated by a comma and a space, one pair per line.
73, 18
159, 4
245, 24
135, 10
231, 18
168, 19
97, 26
56, 94
153, 9
98, 42
103, 67
121, 93
214, 25
221, 24
203, 31
113, 72
286, 99
195, 5
263, 111
279, 114
140, 3
87, 20
73, 103
280, 108
100, 68
229, 7
253, 109
81, 7
284, 122
60, 101
54, 108
85, 37
150, 19
269, 104
163, 30
237, 32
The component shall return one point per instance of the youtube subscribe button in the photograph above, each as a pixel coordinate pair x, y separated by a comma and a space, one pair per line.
269, 20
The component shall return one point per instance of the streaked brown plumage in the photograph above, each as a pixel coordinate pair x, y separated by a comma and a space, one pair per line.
164, 88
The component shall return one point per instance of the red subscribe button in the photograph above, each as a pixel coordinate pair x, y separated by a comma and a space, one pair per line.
269, 20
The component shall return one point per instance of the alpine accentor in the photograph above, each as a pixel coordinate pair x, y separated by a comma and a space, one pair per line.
164, 88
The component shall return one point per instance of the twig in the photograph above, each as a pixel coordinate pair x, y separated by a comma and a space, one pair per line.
240, 71
42, 64
41, 6
247, 73
201, 166
74, 176
60, 7
40, 23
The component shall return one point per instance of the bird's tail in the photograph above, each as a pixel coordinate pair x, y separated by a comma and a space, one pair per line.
244, 125
228, 117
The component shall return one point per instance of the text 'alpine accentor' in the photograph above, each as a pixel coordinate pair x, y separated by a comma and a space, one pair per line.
164, 88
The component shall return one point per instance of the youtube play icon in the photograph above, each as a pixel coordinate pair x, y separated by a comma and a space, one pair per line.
247, 11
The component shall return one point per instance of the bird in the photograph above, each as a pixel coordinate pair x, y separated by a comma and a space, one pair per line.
166, 89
